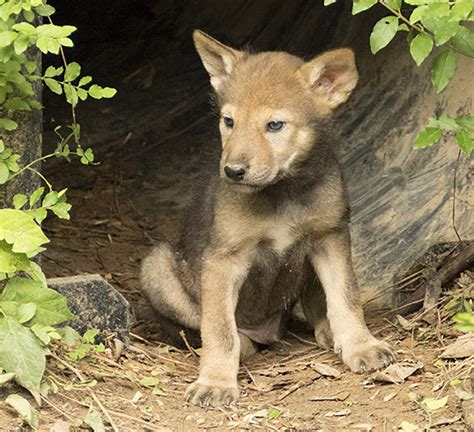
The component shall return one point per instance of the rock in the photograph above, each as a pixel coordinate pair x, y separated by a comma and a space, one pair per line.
461, 348
96, 303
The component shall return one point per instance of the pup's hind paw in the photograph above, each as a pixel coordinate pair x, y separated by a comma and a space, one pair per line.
367, 356
209, 395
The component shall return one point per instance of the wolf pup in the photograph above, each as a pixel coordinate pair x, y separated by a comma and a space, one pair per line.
272, 227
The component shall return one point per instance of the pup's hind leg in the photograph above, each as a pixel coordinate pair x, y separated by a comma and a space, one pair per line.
161, 284
314, 306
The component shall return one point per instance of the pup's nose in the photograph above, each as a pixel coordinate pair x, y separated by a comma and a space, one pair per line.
234, 172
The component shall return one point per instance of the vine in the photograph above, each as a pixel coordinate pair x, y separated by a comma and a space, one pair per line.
429, 25
29, 310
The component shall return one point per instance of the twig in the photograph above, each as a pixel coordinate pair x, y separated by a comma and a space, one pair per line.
302, 340
94, 396
188, 345
59, 410
454, 196
293, 388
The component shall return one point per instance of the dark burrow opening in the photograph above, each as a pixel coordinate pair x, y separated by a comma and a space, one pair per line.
157, 136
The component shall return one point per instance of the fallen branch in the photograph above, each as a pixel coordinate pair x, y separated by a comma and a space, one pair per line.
427, 294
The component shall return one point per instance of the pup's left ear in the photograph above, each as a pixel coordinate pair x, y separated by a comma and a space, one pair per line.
218, 59
331, 77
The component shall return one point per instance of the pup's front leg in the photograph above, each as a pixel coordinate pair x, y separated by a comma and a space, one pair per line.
222, 278
359, 349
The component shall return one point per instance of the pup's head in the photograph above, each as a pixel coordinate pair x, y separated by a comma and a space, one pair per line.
269, 104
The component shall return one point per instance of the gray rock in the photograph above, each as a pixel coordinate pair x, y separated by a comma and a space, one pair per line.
96, 304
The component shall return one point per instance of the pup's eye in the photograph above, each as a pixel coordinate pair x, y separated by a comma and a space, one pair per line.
229, 121
275, 126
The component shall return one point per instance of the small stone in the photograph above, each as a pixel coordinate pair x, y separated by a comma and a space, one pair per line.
95, 303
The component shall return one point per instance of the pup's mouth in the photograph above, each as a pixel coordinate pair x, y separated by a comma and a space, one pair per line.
249, 186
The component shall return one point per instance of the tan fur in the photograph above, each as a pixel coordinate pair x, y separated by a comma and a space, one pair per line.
277, 234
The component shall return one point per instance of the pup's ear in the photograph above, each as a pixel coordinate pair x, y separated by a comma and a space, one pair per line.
218, 59
331, 76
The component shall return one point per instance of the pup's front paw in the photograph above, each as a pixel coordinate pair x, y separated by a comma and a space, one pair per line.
211, 395
367, 356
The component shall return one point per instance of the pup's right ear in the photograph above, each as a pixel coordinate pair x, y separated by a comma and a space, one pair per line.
218, 59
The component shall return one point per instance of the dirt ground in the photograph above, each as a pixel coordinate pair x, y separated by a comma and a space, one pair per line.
290, 386
153, 147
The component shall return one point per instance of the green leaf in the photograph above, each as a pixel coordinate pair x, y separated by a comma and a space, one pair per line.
25, 28
36, 195
37, 274
442, 70
466, 122
50, 199
21, 44
445, 31
20, 230
53, 72
394, 4
463, 41
87, 79
427, 137
461, 10
10, 261
54, 85
432, 404
108, 92
465, 142
362, 5
7, 37
465, 322
383, 32
149, 381
4, 172
273, 413
420, 48
73, 70
437, 10
21, 354
8, 124
26, 312
17, 104
329, 2
40, 214
444, 123
19, 200
417, 14
89, 335
45, 10
51, 306
61, 210
158, 391
27, 413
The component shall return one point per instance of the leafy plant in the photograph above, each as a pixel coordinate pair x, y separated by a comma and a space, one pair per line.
86, 345
432, 27
29, 310
464, 321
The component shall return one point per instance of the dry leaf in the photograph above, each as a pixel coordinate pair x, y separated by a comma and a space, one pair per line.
395, 373
390, 396
461, 348
341, 413
338, 397
446, 421
326, 370
361, 426
137, 397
